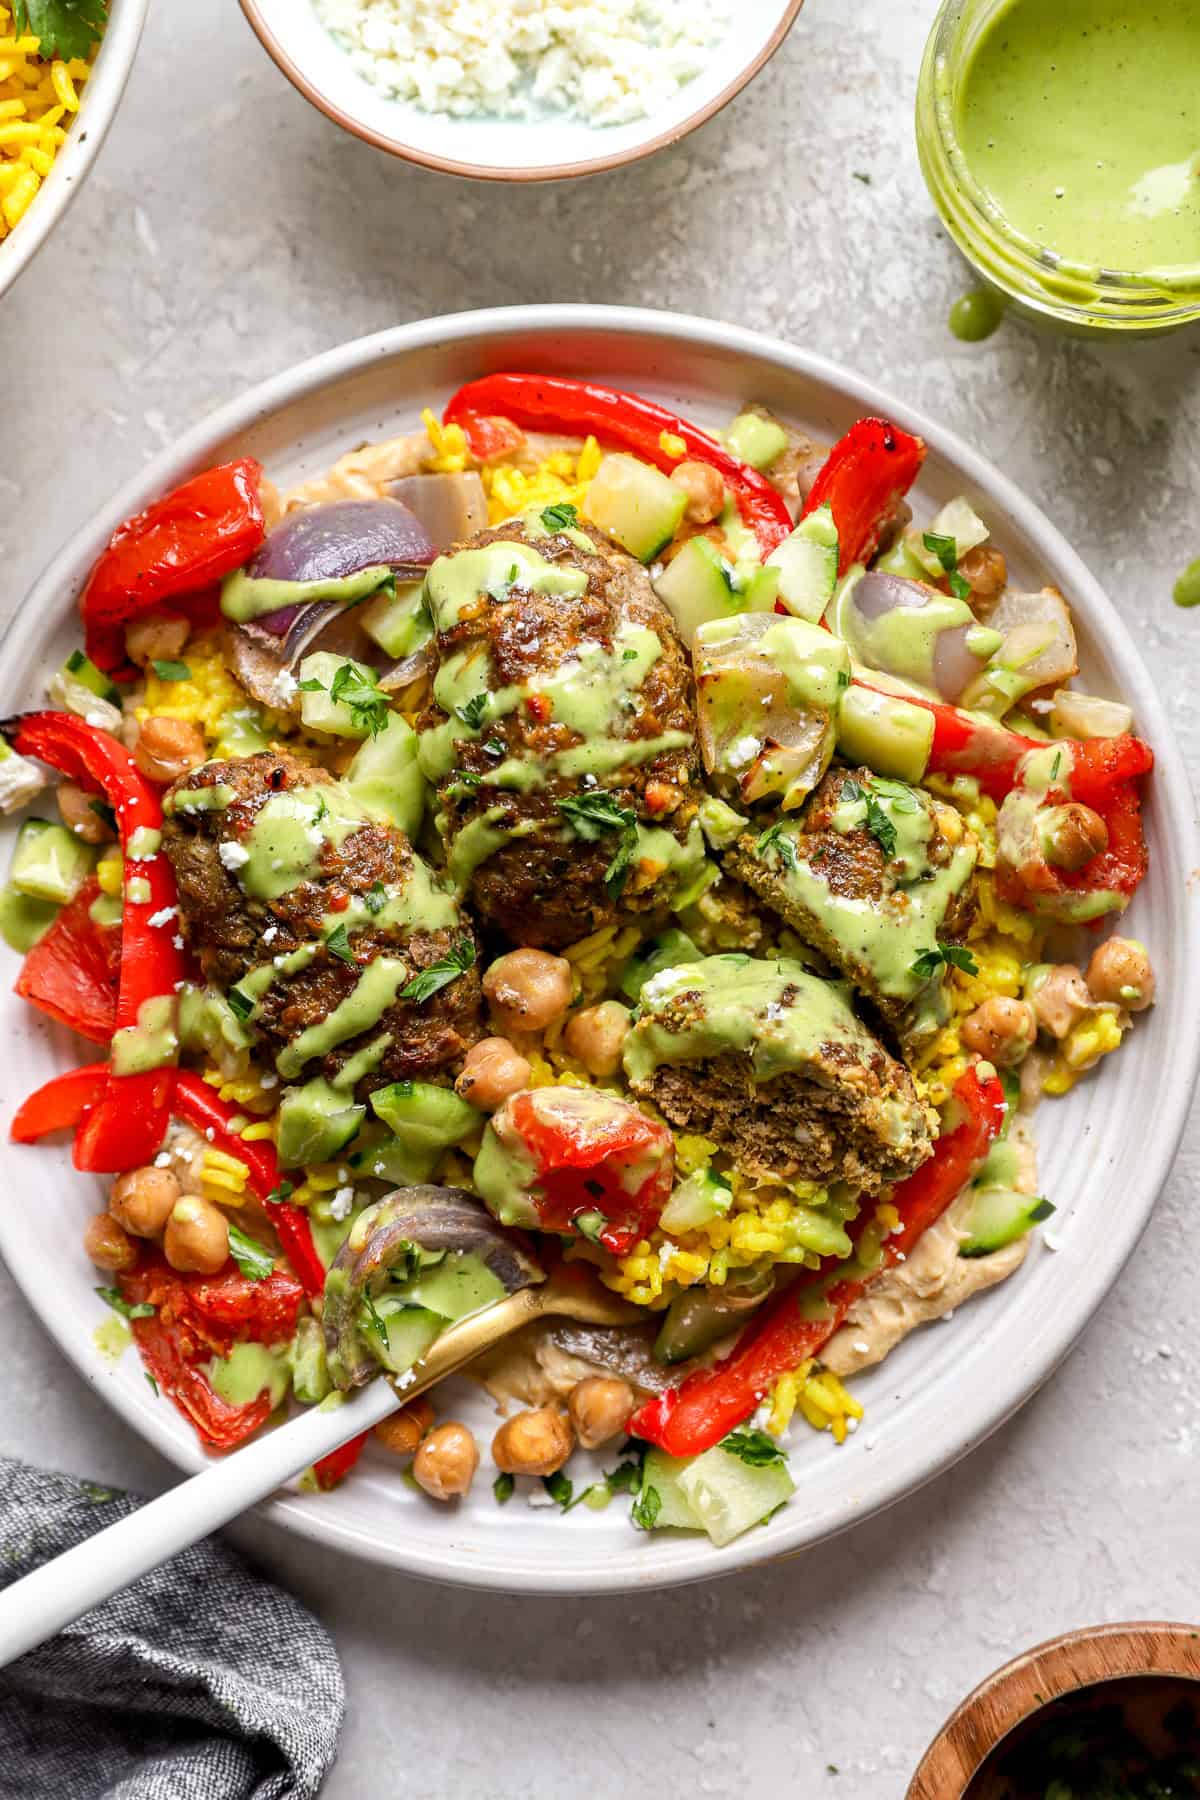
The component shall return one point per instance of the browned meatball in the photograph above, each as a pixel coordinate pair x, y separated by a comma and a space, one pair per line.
562, 735
285, 882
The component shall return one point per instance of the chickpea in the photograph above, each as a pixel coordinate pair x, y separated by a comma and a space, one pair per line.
446, 1461
1060, 998
142, 1201
596, 1037
600, 1406
79, 815
537, 1442
155, 636
984, 570
403, 1431
704, 488
492, 1071
168, 748
196, 1239
1072, 835
528, 990
1001, 1030
108, 1245
1119, 974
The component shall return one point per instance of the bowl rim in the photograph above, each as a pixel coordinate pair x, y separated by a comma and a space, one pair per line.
913, 1465
100, 101
516, 172
1023, 1687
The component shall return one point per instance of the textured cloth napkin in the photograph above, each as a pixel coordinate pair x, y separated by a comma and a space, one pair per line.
200, 1682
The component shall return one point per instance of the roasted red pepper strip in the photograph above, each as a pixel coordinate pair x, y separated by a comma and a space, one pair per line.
126, 1127
863, 476
696, 1415
59, 1104
335, 1467
218, 1310
1101, 773
490, 438
72, 972
184, 542
197, 1103
218, 1423
553, 403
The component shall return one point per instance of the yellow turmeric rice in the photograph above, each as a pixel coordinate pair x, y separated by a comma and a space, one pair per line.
39, 97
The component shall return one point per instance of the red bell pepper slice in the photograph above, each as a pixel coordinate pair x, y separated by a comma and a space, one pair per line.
1101, 773
126, 1127
72, 972
197, 1103
334, 1468
696, 1415
554, 403
184, 542
59, 1104
490, 438
863, 476
218, 1310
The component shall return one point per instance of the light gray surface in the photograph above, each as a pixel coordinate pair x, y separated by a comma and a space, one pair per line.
229, 230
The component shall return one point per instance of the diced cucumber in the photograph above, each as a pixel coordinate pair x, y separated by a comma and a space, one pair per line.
240, 732
321, 673
395, 1162
49, 862
700, 585
81, 688
998, 1216
728, 1496
423, 1116
807, 562
315, 1122
23, 921
208, 1022
958, 521
310, 1376
399, 622
889, 735
899, 560
660, 1475
720, 823
636, 504
386, 778
20, 779
756, 440
406, 1334
459, 1285
81, 668
665, 951
696, 1202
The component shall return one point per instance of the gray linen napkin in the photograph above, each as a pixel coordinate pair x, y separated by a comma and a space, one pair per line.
200, 1682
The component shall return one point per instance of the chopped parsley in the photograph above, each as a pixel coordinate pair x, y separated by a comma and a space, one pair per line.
139, 1309
240, 1004
955, 956
472, 713
167, 669
104, 812
466, 778
755, 1448
338, 944
625, 1478
441, 973
503, 1487
375, 898
843, 679
66, 27
366, 700
646, 1508
560, 1488
946, 551
860, 175
592, 816
560, 517
629, 656
252, 1259
1056, 765
494, 746
378, 1323
283, 1192
151, 1380
778, 839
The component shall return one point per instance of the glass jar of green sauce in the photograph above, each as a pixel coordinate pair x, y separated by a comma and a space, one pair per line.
1060, 140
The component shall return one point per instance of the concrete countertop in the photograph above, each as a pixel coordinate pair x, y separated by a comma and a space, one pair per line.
228, 231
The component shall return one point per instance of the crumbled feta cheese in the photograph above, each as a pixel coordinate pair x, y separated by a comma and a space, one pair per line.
270, 934
163, 1160
341, 1204
163, 916
20, 780
537, 1496
268, 1081
177, 940
284, 688
234, 856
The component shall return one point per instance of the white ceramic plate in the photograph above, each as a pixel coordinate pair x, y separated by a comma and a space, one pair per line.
500, 149
101, 97
1106, 1148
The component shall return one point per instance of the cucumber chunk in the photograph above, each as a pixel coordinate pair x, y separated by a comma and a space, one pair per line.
696, 1202
49, 863
20, 779
24, 922
81, 688
635, 504
728, 1496
460, 1285
889, 735
423, 1116
386, 778
700, 585
395, 1162
807, 562
399, 1335
321, 675
310, 1376
998, 1216
756, 440
666, 951
315, 1122
399, 621
660, 1475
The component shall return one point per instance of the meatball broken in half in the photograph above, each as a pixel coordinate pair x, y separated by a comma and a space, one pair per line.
770, 1062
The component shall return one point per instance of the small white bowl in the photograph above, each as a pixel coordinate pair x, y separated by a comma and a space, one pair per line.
502, 149
101, 97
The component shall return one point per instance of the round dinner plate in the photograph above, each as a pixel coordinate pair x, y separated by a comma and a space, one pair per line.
1105, 1149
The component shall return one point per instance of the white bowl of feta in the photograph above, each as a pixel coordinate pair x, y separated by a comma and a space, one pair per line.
521, 90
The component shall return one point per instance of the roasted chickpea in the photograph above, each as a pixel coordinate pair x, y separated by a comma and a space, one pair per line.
492, 1072
79, 815
1001, 1030
446, 1461
403, 1431
528, 990
142, 1200
600, 1406
704, 489
1060, 998
168, 748
596, 1037
196, 1237
537, 1442
984, 570
108, 1245
155, 636
1119, 974
1072, 835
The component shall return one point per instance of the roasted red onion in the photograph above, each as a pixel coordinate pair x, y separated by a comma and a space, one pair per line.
955, 664
340, 537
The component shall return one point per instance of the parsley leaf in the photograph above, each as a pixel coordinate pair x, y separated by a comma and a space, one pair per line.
503, 1487
1055, 766
255, 1262
625, 1478
559, 517
441, 973
375, 898
378, 1324
472, 713
880, 827
494, 746
946, 551
777, 838
128, 1310
592, 816
65, 28
338, 944
559, 1487
945, 955
281, 1193
366, 700
151, 1380
104, 811
240, 1004
755, 1448
646, 1509
167, 669
466, 778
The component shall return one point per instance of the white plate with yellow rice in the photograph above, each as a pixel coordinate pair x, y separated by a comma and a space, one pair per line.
1103, 1152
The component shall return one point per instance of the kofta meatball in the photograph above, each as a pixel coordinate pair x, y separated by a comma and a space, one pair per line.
561, 737
294, 897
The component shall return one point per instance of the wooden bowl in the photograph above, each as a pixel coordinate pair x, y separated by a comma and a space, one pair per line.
1015, 1693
